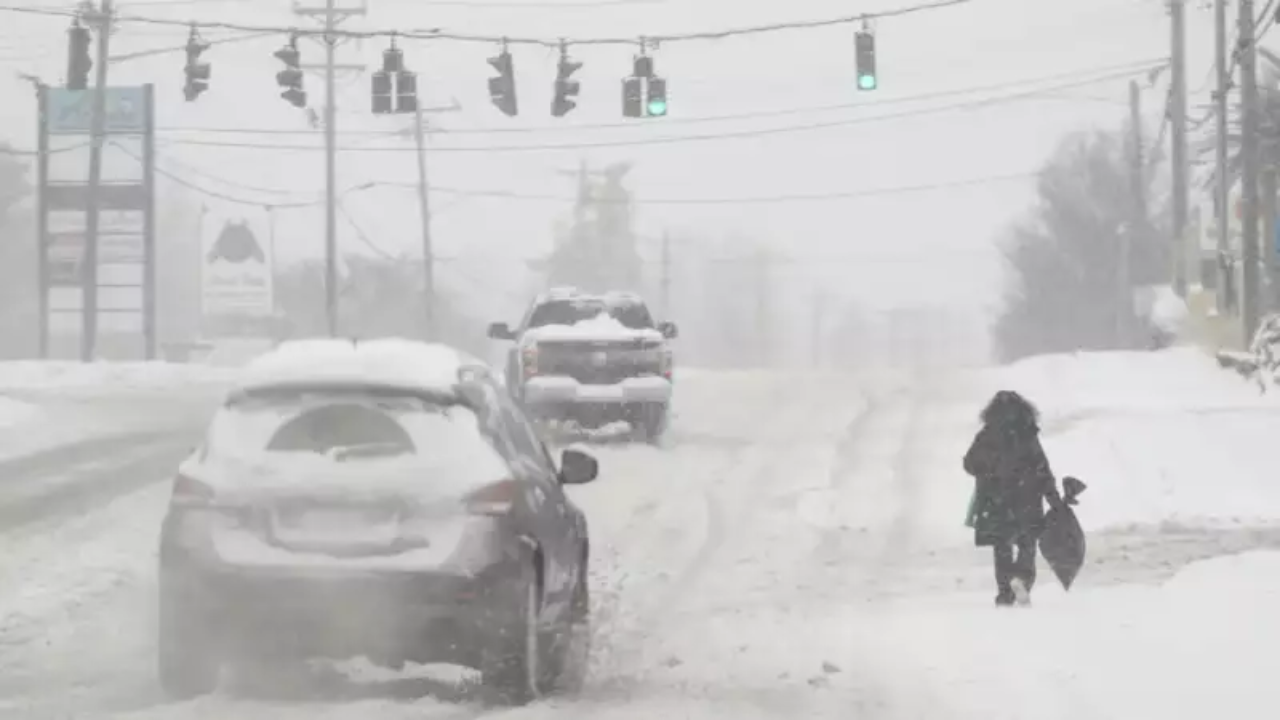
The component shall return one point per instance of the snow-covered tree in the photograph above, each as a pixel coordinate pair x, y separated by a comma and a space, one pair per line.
1064, 257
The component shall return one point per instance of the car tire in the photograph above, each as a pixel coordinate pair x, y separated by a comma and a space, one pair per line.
652, 422
187, 664
513, 669
573, 656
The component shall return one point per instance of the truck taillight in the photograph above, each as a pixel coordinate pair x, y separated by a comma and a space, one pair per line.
529, 360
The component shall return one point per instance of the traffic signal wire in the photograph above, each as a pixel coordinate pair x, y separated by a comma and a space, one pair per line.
672, 139
1130, 68
436, 34
364, 237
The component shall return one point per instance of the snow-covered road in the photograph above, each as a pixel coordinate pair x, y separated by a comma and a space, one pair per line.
795, 550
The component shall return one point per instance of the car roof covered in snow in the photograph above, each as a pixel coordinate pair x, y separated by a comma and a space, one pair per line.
390, 363
612, 297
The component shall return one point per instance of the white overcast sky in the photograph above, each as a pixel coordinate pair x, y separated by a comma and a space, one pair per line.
933, 245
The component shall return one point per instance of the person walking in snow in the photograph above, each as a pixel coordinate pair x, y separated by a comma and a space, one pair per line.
1012, 481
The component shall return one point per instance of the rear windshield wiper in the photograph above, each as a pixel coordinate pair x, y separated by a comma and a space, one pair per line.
383, 449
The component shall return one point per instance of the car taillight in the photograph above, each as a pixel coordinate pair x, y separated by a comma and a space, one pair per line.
495, 499
191, 492
530, 361
666, 364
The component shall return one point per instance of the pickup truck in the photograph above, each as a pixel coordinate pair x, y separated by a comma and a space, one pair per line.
594, 359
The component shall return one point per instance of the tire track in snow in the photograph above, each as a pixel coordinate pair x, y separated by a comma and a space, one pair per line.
127, 465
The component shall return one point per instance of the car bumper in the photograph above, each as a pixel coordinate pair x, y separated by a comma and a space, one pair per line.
552, 390
386, 616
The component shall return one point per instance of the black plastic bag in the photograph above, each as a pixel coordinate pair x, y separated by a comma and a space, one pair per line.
1063, 543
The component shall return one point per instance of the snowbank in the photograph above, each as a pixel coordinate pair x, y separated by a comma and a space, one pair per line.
1164, 437
1198, 646
14, 413
33, 375
1178, 378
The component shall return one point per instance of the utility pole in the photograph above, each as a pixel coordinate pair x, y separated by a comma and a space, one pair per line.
1249, 169
1267, 205
1178, 124
1137, 222
424, 208
762, 308
819, 316
419, 131
97, 137
1222, 191
330, 173
666, 275
332, 16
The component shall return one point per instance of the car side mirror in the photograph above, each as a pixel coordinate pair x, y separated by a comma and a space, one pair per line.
669, 330
577, 468
500, 331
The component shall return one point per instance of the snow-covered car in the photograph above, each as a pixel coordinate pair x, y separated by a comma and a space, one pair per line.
593, 359
384, 499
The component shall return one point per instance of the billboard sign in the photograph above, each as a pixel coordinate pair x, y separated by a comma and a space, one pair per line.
68, 112
237, 274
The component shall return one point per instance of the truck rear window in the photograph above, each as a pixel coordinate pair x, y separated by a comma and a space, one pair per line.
570, 312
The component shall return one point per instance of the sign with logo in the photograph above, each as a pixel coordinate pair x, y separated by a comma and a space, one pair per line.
237, 274
68, 112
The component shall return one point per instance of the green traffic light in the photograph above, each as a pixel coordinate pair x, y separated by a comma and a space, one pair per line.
867, 82
657, 107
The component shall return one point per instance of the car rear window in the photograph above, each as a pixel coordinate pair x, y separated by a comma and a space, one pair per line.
342, 425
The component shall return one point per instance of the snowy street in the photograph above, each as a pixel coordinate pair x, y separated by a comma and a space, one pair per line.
794, 550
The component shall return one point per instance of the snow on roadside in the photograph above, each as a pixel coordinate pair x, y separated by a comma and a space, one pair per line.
1198, 646
48, 404
1174, 379
33, 375
1159, 437
14, 413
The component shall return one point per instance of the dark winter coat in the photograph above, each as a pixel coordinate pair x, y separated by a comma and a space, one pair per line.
1012, 477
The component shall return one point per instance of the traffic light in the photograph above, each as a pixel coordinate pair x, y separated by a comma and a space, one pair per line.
865, 48
566, 90
642, 67
656, 104
632, 97
197, 72
381, 93
79, 62
502, 89
406, 92
291, 77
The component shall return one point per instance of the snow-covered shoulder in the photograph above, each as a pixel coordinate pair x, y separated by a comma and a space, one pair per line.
600, 327
392, 362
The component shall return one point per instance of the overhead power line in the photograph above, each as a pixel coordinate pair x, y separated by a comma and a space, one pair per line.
437, 34
183, 47
671, 139
514, 195
1108, 72
747, 200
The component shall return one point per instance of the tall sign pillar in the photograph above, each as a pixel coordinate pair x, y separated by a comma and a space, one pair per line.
126, 312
